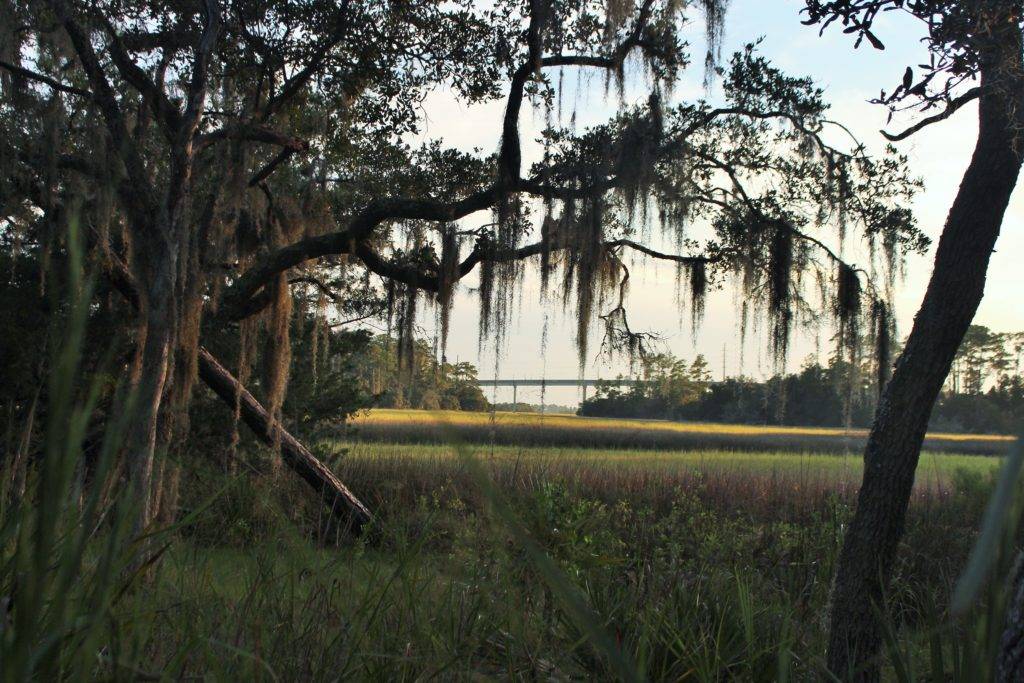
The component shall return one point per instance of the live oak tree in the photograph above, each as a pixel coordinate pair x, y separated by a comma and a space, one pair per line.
229, 159
975, 51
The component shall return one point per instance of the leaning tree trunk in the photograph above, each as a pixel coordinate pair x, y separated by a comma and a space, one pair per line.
894, 445
342, 503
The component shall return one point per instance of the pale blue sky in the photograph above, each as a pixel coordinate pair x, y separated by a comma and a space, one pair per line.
939, 155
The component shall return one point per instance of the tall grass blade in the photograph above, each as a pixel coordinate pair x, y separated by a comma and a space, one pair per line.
993, 527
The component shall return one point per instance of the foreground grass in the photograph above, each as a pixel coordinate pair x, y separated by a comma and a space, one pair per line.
534, 429
527, 564
689, 574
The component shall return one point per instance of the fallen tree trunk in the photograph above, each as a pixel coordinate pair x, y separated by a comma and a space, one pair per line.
341, 502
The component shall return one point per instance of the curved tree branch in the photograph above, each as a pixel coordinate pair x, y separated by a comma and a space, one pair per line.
951, 108
45, 80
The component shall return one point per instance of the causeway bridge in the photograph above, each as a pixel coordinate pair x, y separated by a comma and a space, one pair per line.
544, 382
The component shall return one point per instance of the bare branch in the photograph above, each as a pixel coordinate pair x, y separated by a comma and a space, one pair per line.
200, 67
46, 80
271, 166
951, 108
163, 109
253, 132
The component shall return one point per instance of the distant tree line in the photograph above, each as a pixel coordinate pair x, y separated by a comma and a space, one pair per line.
985, 388
417, 380
984, 392
549, 408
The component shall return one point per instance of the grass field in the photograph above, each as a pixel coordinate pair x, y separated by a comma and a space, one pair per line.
767, 485
530, 562
935, 470
496, 561
532, 429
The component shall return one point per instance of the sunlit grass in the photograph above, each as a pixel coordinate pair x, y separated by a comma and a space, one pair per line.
935, 468
534, 429
457, 417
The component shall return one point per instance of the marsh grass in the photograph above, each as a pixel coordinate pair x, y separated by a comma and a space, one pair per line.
570, 431
702, 578
688, 583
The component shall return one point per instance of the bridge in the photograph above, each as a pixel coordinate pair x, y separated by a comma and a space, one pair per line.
544, 382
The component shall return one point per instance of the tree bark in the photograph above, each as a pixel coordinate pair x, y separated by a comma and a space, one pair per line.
894, 444
342, 503
154, 370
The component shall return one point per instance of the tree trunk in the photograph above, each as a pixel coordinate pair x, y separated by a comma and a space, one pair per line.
894, 444
340, 501
154, 370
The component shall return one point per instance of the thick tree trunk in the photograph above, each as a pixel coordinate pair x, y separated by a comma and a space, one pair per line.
154, 370
894, 445
341, 502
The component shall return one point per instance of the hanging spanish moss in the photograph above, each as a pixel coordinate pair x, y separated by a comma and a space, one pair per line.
617, 12
501, 274
639, 148
587, 269
407, 331
714, 22
186, 353
486, 294
320, 335
780, 310
846, 306
548, 232
277, 356
247, 340
447, 279
698, 293
840, 191
882, 323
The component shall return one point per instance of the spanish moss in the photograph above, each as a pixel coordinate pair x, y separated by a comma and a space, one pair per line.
447, 279
882, 324
846, 306
780, 310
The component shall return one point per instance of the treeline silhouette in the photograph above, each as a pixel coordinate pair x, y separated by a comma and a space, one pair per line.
984, 393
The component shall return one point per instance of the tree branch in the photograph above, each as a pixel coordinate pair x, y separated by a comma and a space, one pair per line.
951, 108
295, 83
253, 132
164, 111
46, 80
271, 166
138, 202
200, 66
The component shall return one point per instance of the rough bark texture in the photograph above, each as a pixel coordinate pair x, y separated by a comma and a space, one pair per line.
154, 370
341, 502
894, 445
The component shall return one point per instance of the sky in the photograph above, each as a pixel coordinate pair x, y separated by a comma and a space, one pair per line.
938, 155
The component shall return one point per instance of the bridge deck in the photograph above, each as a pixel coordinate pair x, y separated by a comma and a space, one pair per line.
495, 382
